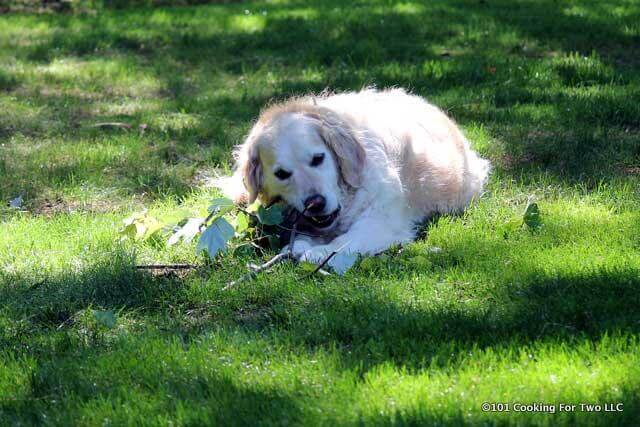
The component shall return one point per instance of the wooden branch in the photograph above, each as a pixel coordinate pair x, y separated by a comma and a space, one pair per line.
166, 266
294, 231
206, 220
325, 261
118, 125
280, 226
294, 228
322, 264
255, 269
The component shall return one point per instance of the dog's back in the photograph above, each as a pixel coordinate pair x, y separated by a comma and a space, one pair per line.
437, 169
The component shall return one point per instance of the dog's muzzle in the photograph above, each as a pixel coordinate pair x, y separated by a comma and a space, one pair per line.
323, 221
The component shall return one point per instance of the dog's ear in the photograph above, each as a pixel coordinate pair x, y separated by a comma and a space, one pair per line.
341, 139
252, 172
247, 181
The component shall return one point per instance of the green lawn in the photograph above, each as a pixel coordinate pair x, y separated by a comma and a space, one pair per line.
548, 90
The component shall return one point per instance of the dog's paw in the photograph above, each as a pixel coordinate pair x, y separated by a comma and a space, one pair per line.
300, 247
316, 254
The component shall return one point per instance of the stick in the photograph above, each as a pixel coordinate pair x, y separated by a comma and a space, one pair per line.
280, 226
294, 229
323, 263
206, 220
267, 265
112, 125
166, 266
326, 260
255, 269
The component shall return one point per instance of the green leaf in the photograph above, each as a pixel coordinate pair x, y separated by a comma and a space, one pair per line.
129, 231
532, 216
187, 232
152, 226
215, 237
272, 216
105, 318
242, 222
134, 226
221, 206
253, 207
140, 226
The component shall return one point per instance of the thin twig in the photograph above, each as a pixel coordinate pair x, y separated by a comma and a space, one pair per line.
166, 266
294, 228
280, 226
112, 125
326, 260
257, 269
65, 322
294, 231
206, 220
323, 263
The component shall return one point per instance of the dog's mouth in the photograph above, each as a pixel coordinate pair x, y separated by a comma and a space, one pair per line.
323, 221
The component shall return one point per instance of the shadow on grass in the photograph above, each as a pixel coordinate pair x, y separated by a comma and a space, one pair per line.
364, 318
112, 283
482, 75
562, 26
50, 322
367, 324
205, 399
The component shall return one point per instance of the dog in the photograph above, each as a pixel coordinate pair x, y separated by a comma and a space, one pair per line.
364, 168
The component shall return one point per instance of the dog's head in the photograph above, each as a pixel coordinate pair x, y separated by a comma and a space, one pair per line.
306, 155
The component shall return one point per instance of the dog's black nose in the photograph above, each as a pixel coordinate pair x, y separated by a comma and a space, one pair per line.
315, 204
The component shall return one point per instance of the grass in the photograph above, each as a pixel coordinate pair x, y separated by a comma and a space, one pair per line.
548, 90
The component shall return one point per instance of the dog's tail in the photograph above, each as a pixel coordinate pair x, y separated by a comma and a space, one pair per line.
476, 176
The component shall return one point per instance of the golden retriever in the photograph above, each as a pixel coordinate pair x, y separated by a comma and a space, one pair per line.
364, 167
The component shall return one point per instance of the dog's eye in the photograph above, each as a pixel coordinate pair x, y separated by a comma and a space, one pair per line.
317, 159
282, 174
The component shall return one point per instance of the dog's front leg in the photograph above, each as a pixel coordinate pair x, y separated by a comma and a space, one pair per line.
299, 246
367, 236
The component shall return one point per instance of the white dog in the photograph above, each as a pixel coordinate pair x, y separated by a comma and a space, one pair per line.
365, 168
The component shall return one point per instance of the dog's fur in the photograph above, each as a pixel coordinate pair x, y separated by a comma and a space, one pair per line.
391, 160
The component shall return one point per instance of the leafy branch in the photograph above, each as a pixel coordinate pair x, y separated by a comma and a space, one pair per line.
253, 270
228, 226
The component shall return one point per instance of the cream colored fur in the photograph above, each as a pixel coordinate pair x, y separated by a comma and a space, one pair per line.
392, 159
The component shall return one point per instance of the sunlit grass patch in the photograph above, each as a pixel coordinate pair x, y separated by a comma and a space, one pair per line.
249, 23
176, 122
23, 115
54, 168
100, 76
576, 70
126, 107
584, 373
